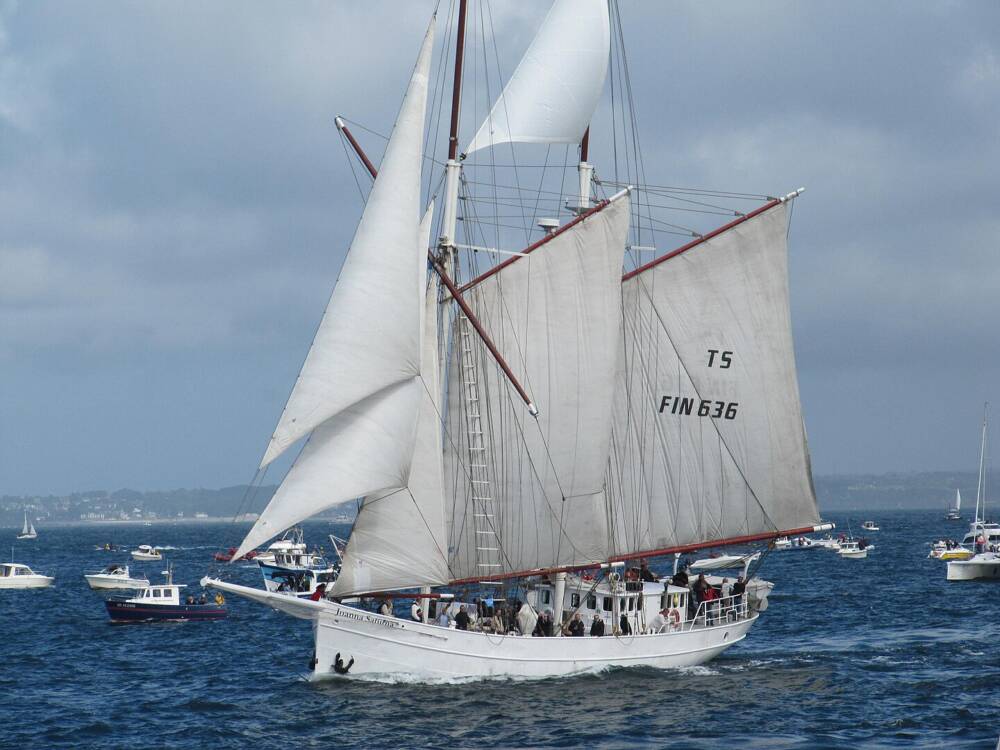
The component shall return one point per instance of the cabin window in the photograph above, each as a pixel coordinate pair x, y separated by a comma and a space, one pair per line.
663, 601
547, 597
608, 607
631, 604
592, 602
574, 600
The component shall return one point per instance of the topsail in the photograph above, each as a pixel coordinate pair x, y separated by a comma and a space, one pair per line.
554, 90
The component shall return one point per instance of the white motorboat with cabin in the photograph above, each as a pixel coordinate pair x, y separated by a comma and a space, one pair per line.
116, 577
292, 542
870, 526
17, 576
147, 552
28, 530
297, 572
661, 391
854, 549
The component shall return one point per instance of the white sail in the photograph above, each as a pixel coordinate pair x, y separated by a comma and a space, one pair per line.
555, 316
958, 500
709, 438
24, 529
364, 443
554, 91
399, 538
369, 337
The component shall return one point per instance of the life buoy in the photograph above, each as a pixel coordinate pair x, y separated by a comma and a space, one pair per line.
674, 619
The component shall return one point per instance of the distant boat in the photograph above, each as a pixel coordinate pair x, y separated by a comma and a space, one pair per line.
870, 526
146, 552
853, 550
954, 514
115, 577
16, 576
28, 530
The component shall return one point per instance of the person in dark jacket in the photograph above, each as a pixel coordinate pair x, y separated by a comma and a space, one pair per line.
645, 574
623, 625
462, 619
597, 627
680, 578
576, 626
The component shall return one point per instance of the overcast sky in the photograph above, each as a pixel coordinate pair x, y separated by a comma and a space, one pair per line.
175, 204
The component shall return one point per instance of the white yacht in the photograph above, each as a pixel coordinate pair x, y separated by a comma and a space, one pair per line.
985, 565
870, 526
291, 543
116, 577
147, 552
16, 576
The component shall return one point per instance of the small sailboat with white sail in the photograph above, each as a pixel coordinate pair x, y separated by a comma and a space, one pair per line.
955, 512
526, 428
28, 530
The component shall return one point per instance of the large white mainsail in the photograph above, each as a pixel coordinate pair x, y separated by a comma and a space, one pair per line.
555, 316
552, 94
370, 321
360, 389
709, 437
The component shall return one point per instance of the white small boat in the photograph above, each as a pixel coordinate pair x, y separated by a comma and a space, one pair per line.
28, 530
984, 566
948, 549
853, 550
115, 577
146, 552
870, 526
16, 576
782, 543
827, 542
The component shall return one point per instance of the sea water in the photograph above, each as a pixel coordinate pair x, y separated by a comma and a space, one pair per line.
872, 653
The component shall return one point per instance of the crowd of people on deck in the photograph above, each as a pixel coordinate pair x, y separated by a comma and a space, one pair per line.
515, 617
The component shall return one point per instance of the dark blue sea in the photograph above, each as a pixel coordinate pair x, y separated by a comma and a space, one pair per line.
872, 653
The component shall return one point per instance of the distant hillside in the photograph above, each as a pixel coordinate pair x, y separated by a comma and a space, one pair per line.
930, 490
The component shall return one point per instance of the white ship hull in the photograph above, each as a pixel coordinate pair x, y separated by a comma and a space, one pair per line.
388, 645
982, 566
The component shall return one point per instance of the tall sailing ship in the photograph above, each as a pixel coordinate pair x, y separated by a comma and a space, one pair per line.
527, 429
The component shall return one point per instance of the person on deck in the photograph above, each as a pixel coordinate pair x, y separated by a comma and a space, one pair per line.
699, 588
462, 619
726, 590
442, 618
645, 574
659, 622
623, 626
680, 578
597, 627
738, 589
416, 612
386, 608
318, 593
543, 628
576, 626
